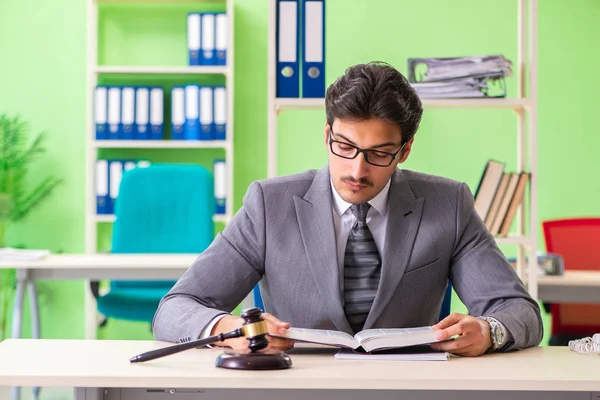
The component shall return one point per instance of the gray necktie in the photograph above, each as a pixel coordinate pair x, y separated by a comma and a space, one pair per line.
362, 268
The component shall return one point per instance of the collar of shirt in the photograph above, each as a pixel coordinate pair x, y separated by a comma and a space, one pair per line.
379, 202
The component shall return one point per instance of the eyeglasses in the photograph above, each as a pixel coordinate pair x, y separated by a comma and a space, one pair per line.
349, 151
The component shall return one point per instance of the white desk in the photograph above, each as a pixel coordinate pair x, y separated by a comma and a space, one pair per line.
100, 369
89, 267
103, 266
572, 287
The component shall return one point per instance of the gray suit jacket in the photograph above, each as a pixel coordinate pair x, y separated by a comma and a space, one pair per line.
284, 235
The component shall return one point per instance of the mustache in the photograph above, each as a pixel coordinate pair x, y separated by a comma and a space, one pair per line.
361, 181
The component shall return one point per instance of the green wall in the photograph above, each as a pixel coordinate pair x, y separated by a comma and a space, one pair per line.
43, 78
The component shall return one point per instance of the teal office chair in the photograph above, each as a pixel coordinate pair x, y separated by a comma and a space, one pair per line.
160, 209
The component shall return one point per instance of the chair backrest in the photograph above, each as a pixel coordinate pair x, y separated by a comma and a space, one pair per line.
164, 209
447, 302
578, 241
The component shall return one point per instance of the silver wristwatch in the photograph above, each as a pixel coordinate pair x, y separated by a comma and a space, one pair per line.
496, 332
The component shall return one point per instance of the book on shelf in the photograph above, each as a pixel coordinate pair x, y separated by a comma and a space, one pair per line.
498, 196
497, 200
368, 340
487, 187
515, 201
504, 196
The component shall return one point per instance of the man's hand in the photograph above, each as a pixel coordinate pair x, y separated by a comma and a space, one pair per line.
275, 326
474, 336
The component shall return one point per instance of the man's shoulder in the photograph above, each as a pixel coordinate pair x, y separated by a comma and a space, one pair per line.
297, 183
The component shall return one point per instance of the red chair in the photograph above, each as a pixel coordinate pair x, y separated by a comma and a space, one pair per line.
578, 241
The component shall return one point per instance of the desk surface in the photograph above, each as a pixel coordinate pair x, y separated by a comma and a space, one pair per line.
103, 266
104, 363
75, 261
571, 278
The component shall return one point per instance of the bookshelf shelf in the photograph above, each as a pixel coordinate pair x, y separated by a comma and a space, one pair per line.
222, 218
282, 104
161, 144
194, 70
299, 104
511, 104
524, 105
159, 1
110, 218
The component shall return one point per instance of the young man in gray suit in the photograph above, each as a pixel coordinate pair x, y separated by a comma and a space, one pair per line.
358, 244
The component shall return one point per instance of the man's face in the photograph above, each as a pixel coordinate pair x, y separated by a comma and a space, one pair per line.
355, 180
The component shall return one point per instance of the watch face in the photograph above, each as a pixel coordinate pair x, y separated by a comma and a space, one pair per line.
498, 334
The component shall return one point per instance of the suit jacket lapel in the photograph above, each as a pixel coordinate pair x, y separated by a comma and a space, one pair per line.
404, 217
318, 235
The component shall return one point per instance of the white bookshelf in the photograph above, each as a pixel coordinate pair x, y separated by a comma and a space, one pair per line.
96, 71
282, 104
192, 70
158, 1
523, 106
162, 144
110, 218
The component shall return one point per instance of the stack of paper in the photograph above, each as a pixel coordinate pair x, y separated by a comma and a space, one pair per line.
459, 77
10, 254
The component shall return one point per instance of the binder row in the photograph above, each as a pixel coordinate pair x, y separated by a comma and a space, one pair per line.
129, 113
198, 112
110, 172
207, 38
293, 25
137, 113
108, 179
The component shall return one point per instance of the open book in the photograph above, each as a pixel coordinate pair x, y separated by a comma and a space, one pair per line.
369, 340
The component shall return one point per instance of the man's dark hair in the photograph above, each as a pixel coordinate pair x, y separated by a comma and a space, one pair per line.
375, 90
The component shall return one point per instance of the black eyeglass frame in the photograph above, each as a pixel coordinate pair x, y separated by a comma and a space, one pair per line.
364, 151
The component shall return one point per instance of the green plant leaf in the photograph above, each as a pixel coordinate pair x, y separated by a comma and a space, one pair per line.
26, 204
16, 156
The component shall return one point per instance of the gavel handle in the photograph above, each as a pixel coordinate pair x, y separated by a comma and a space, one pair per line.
165, 351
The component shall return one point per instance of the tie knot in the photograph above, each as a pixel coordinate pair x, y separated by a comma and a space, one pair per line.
360, 211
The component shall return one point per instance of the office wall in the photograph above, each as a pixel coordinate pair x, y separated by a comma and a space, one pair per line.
42, 78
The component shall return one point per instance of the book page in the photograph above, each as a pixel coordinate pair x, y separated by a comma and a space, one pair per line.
321, 336
370, 333
373, 339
